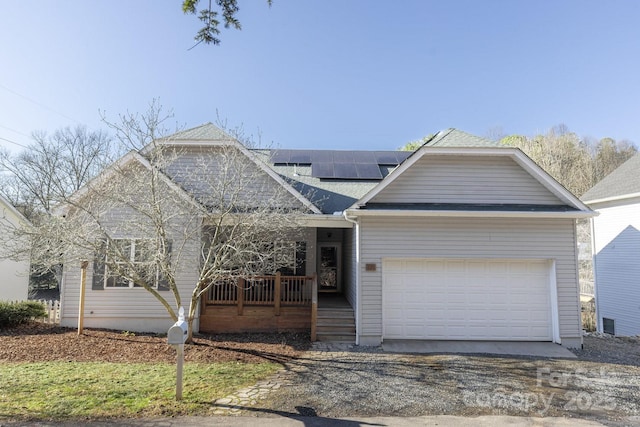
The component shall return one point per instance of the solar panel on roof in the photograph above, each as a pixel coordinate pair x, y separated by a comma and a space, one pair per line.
344, 156
322, 156
364, 157
403, 155
300, 157
368, 171
386, 158
322, 170
345, 170
280, 156
342, 164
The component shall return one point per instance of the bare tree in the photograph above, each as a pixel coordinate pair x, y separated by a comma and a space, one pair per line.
166, 210
53, 167
576, 163
608, 154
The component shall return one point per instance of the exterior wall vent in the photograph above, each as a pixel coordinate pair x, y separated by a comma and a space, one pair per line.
608, 326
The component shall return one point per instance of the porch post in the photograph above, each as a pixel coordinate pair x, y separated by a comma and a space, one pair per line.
314, 306
240, 293
276, 296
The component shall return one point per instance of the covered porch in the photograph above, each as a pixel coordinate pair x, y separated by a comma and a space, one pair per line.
311, 296
275, 303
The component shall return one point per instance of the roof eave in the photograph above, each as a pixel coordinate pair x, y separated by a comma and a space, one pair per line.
132, 156
612, 198
469, 213
516, 154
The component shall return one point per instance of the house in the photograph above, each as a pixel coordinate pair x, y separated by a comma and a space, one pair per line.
460, 240
14, 274
615, 235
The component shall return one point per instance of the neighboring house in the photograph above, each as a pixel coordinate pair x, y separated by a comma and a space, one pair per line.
616, 249
460, 240
14, 275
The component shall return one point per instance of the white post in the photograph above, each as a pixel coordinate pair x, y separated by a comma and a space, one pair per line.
180, 362
179, 372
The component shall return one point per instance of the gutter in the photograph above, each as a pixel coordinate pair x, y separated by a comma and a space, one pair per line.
468, 214
594, 266
612, 199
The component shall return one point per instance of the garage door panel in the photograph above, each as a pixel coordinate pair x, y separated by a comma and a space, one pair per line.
467, 299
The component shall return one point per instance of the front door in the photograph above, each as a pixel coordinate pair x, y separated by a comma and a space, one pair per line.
329, 267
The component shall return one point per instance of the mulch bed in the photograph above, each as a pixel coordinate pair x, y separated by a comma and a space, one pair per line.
37, 342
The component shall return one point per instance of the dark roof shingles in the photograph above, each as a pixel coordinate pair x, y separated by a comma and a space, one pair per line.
622, 181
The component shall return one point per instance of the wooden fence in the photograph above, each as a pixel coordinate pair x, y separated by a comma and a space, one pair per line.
52, 308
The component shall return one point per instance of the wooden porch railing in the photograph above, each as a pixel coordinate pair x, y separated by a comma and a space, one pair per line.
276, 291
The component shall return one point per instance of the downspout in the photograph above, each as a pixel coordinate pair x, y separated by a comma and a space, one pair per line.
594, 265
357, 284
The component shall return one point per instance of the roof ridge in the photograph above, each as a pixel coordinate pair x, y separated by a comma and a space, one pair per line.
205, 131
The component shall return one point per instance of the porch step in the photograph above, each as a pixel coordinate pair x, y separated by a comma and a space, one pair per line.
336, 324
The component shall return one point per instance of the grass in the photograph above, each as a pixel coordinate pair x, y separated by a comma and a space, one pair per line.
72, 390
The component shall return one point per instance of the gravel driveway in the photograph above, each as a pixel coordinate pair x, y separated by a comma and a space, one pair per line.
602, 384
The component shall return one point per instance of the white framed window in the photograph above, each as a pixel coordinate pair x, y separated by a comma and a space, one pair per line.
287, 257
124, 260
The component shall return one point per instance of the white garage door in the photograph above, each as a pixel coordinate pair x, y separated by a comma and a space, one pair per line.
447, 299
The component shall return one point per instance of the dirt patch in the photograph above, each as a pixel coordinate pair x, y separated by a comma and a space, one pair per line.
38, 342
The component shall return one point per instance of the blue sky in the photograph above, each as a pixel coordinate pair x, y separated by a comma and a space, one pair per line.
352, 74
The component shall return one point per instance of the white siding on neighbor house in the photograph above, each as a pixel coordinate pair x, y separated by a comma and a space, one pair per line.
14, 280
459, 179
617, 266
14, 275
468, 238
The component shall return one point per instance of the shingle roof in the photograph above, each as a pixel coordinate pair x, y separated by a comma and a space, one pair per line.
328, 195
207, 131
622, 181
458, 138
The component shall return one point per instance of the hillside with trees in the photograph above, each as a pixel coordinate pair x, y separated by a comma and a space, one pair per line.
577, 163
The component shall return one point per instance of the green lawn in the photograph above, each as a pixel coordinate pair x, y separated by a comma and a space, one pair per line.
74, 390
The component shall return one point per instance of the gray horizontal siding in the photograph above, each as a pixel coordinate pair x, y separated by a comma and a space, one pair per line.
468, 238
136, 309
617, 248
132, 309
457, 179
214, 173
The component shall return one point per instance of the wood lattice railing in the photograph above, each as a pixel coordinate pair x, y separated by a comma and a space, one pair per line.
266, 291
263, 290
